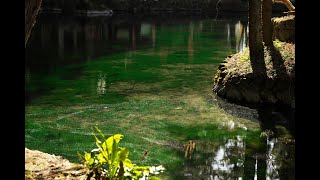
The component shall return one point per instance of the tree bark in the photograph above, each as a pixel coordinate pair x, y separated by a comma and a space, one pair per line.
255, 38
31, 10
267, 27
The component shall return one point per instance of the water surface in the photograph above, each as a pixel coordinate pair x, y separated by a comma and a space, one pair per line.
149, 79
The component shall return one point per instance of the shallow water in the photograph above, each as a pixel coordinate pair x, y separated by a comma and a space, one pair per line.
149, 79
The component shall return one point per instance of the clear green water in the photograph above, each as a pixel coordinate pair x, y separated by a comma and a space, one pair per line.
150, 80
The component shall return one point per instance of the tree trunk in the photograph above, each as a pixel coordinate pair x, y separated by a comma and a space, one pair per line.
31, 10
255, 38
267, 27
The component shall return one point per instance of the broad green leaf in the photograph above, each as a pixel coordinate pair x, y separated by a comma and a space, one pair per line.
100, 132
87, 156
146, 172
137, 172
110, 141
123, 154
116, 137
104, 146
98, 142
127, 163
113, 160
141, 168
105, 155
114, 150
96, 138
101, 158
114, 169
90, 161
154, 178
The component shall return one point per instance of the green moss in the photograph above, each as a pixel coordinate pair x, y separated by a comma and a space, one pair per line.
244, 55
283, 18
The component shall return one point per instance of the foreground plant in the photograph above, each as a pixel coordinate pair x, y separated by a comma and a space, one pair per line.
110, 162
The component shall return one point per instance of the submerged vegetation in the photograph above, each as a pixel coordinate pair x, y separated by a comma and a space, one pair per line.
157, 95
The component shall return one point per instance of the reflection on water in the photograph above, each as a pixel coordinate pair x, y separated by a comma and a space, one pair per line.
74, 40
240, 32
190, 41
272, 172
223, 162
280, 159
270, 157
241, 36
230, 161
153, 30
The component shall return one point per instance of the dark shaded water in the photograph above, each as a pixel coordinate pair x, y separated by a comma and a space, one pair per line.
150, 79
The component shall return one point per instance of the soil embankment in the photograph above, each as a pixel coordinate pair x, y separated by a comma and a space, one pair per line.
235, 81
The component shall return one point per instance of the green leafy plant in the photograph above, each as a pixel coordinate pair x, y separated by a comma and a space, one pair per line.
109, 161
277, 43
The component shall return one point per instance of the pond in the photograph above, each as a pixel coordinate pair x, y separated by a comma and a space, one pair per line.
150, 79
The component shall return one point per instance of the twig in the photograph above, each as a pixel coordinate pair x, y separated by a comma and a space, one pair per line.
215, 19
